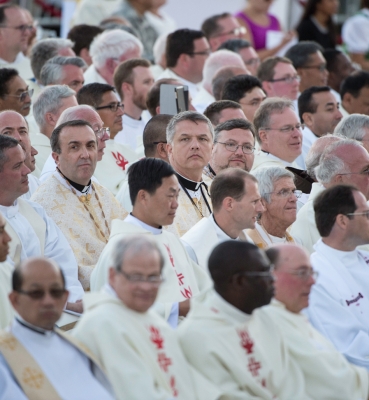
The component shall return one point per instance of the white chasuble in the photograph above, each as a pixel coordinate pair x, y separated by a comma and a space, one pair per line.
6, 310
86, 235
245, 356
183, 279
139, 351
328, 375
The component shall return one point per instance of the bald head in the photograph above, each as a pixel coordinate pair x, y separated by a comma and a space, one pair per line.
222, 76
294, 275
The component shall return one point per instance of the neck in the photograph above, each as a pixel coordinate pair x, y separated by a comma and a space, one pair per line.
144, 216
182, 73
47, 130
75, 184
192, 175
131, 109
264, 147
322, 18
272, 226
139, 8
341, 244
8, 55
106, 74
7, 199
226, 224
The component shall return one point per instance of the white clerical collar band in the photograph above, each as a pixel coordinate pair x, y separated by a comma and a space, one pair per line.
31, 327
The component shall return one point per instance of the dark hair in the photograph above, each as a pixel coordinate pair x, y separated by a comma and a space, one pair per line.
273, 255
306, 101
147, 174
210, 26
228, 183
82, 36
180, 42
266, 69
153, 96
6, 143
354, 83
364, 3
155, 131
213, 110
54, 139
92, 93
331, 202
235, 45
124, 72
236, 87
330, 56
6, 75
300, 53
3, 8
237, 123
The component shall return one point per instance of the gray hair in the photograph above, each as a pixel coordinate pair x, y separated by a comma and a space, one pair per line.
46, 49
268, 107
267, 177
353, 126
52, 71
74, 113
112, 44
6, 143
49, 101
193, 116
330, 164
135, 245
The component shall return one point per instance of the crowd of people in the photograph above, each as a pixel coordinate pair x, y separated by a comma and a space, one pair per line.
214, 253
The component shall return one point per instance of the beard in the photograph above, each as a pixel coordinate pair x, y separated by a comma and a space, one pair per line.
139, 101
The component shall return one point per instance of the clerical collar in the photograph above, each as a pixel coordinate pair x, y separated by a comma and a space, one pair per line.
188, 184
266, 152
222, 236
31, 327
81, 188
131, 219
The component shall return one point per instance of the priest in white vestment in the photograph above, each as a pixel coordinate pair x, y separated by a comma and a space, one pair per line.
227, 339
190, 137
32, 231
83, 210
236, 204
154, 192
339, 306
136, 347
37, 360
279, 134
327, 373
279, 197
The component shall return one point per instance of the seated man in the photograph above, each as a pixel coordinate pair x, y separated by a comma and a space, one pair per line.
279, 198
339, 307
32, 231
236, 204
222, 76
327, 373
354, 126
154, 189
354, 94
6, 311
228, 341
138, 350
83, 210
278, 132
223, 110
234, 142
48, 354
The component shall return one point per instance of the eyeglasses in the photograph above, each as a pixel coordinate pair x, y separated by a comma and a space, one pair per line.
22, 96
320, 68
252, 61
206, 52
246, 148
287, 193
40, 294
100, 133
113, 107
22, 28
267, 273
305, 274
286, 129
366, 213
365, 173
287, 79
154, 280
239, 31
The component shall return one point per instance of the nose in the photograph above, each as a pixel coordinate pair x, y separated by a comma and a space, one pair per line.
239, 150
6, 237
25, 170
34, 152
339, 114
195, 143
84, 153
259, 207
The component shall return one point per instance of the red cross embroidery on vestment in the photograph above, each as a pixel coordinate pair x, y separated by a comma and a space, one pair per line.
254, 366
156, 338
120, 160
164, 361
246, 342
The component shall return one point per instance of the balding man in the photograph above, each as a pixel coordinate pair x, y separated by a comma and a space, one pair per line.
221, 77
38, 297
6, 311
344, 161
327, 373
223, 110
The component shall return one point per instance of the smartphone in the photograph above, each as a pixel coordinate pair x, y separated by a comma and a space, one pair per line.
173, 99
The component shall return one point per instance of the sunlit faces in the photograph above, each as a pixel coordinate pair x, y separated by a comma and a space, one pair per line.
358, 225
15, 38
191, 147
251, 101
93, 118
15, 87
359, 104
228, 26
314, 73
138, 296
78, 156
222, 158
197, 59
72, 77
111, 119
283, 88
231, 113
285, 145
142, 83
4, 239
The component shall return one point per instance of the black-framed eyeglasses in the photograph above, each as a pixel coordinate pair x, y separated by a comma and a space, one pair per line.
366, 213
287, 79
286, 129
22, 28
39, 294
162, 141
22, 97
100, 133
113, 107
267, 273
206, 52
155, 280
320, 68
304, 274
232, 147
287, 193
252, 61
240, 30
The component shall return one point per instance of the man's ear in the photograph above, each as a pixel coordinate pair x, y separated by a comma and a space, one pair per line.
55, 156
308, 119
161, 150
342, 221
267, 87
263, 135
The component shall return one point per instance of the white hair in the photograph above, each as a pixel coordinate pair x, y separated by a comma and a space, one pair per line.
267, 177
218, 60
353, 126
74, 113
112, 44
159, 47
49, 101
52, 72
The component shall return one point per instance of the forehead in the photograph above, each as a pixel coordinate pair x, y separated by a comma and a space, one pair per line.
14, 155
92, 117
286, 117
12, 120
142, 72
282, 69
238, 135
194, 128
71, 70
247, 53
41, 273
2, 220
228, 23
77, 133
15, 14
17, 84
284, 182
200, 44
316, 58
109, 97
231, 113
255, 92
323, 98
293, 257
360, 200
146, 262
